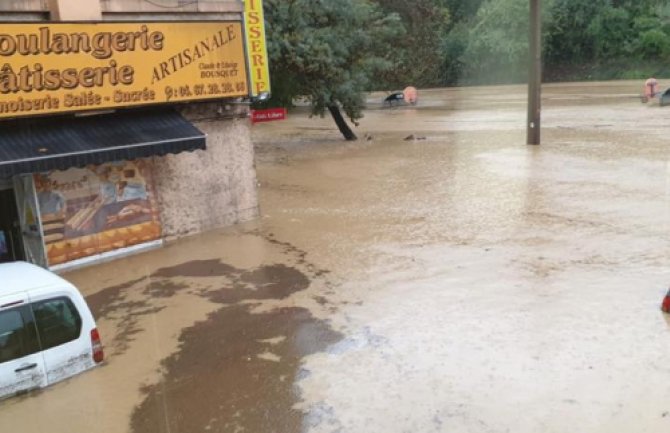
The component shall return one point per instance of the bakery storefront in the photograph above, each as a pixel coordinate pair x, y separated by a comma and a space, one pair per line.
85, 110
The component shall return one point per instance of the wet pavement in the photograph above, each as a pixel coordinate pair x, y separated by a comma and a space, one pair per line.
436, 276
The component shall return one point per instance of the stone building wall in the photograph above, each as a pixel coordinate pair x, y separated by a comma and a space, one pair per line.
202, 190
123, 6
23, 6
172, 6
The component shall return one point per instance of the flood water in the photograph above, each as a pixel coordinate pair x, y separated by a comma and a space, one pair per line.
438, 275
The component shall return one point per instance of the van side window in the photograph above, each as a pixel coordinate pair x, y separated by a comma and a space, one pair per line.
58, 322
18, 337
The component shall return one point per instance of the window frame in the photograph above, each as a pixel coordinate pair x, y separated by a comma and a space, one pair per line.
29, 325
73, 310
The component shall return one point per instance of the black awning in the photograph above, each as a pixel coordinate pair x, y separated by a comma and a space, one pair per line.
57, 143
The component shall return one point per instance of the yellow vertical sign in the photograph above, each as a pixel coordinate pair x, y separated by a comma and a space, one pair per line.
259, 69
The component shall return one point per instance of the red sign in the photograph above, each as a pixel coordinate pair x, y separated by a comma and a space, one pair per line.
270, 115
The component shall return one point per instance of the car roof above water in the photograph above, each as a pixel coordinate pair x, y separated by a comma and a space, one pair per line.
22, 277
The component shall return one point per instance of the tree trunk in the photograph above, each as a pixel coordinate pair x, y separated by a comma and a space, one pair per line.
341, 123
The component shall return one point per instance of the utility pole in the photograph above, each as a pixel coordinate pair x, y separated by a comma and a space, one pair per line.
535, 74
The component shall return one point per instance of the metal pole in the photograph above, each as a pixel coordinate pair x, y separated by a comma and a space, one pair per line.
535, 74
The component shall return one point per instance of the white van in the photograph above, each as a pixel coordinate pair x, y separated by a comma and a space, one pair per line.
47, 332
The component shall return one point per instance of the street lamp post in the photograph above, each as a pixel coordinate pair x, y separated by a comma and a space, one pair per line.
535, 74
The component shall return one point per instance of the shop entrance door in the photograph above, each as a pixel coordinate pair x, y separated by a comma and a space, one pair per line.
11, 242
29, 222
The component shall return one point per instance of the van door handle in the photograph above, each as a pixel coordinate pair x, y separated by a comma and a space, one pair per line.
25, 368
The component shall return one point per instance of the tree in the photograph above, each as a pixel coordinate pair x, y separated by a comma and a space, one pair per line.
497, 43
606, 35
418, 59
327, 51
463, 10
609, 32
571, 37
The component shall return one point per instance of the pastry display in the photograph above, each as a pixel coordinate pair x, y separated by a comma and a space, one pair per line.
96, 209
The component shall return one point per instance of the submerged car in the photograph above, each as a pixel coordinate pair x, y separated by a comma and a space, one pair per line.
664, 99
394, 98
47, 332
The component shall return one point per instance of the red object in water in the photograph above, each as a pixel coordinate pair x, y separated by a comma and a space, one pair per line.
650, 88
96, 345
270, 115
666, 303
411, 95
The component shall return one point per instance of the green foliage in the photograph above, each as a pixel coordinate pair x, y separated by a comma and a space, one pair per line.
567, 37
626, 37
453, 51
582, 39
609, 32
497, 43
463, 10
417, 57
327, 51
653, 44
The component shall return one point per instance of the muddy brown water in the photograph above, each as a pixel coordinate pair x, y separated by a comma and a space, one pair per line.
254, 359
436, 276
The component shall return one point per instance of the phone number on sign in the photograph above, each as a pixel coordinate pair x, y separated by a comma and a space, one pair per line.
204, 90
